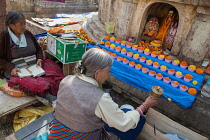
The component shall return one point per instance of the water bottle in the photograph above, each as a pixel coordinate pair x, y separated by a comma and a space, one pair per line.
206, 89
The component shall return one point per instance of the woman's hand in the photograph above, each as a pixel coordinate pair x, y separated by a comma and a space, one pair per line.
14, 71
39, 62
150, 102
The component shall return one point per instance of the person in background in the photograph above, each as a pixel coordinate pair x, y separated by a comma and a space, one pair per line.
82, 108
19, 49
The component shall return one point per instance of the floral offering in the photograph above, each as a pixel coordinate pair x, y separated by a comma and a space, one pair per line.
130, 54
123, 43
131, 63
156, 65
199, 71
145, 70
175, 83
147, 51
183, 64
183, 87
129, 45
141, 49
171, 71
166, 80
113, 55
176, 62
168, 59
138, 66
106, 37
142, 59
194, 82
179, 74
161, 57
118, 41
98, 47
152, 73
103, 50
112, 46
109, 52
149, 62
112, 39
118, 49
163, 68
136, 56
192, 91
159, 76
188, 77
123, 51
135, 47
119, 59
125, 61
107, 44
192, 68
154, 54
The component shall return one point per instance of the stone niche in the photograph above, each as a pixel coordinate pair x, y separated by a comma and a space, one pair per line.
191, 42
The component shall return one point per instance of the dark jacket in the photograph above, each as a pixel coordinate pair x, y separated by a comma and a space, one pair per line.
6, 54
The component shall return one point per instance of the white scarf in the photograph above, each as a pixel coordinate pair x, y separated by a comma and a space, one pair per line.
19, 42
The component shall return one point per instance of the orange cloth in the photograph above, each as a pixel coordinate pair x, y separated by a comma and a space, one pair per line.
163, 30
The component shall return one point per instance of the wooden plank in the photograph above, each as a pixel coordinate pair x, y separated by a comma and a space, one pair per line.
10, 104
168, 126
148, 134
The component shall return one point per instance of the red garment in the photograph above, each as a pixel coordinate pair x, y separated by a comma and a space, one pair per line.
41, 85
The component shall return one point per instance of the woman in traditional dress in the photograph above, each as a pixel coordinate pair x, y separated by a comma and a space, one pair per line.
82, 108
19, 49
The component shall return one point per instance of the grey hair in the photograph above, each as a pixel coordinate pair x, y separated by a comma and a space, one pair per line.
92, 60
13, 17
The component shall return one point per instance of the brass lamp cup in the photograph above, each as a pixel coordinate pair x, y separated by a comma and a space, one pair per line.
156, 92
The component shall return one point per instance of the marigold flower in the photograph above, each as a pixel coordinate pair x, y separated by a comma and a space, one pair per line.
118, 48
136, 55
175, 82
184, 63
192, 66
194, 82
135, 46
144, 69
178, 73
107, 43
162, 56
155, 53
125, 60
113, 38
118, 40
168, 57
81, 29
120, 58
98, 47
130, 44
113, 54
163, 67
144, 58
109, 52
152, 72
167, 78
146, 50
132, 62
156, 63
124, 50
149, 61
183, 86
138, 66
188, 76
171, 70
124, 42
199, 71
176, 61
103, 49
141, 48
112, 45
82, 32
106, 37
192, 91
159, 74
130, 53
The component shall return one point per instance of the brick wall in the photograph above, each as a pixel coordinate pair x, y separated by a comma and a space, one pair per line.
2, 14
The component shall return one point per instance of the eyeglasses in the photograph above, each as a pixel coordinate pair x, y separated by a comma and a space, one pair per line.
21, 26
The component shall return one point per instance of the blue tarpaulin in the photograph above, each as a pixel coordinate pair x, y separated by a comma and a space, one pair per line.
145, 82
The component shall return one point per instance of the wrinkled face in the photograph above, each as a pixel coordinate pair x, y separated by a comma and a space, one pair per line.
102, 75
19, 27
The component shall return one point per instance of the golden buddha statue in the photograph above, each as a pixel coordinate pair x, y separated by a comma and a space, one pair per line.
165, 25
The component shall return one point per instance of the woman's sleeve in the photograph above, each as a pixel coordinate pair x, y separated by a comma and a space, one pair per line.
4, 64
111, 114
39, 52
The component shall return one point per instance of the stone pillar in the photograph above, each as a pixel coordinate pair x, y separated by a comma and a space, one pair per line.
3, 12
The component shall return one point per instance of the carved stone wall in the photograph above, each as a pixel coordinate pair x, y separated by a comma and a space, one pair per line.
130, 17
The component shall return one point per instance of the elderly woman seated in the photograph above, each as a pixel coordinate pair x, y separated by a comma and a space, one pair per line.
19, 49
82, 108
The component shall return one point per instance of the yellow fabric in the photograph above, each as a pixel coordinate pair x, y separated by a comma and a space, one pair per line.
28, 115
